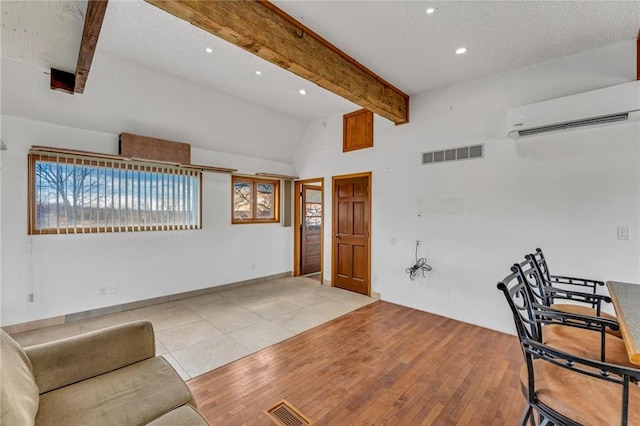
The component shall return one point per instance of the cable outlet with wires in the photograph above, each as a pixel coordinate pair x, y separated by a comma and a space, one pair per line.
420, 265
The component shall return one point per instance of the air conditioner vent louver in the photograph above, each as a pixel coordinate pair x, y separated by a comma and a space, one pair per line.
596, 121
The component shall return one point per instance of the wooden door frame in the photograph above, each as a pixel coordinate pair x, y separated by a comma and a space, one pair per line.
334, 266
297, 216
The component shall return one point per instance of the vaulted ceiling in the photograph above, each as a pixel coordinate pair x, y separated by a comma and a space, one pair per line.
397, 40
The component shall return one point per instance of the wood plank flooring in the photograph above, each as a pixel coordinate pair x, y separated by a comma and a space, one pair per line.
381, 364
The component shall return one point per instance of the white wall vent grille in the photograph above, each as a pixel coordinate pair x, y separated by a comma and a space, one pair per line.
453, 154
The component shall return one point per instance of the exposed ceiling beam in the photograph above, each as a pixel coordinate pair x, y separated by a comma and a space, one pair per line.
92, 24
268, 32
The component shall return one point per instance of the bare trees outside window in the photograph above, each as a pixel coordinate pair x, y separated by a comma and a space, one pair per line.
80, 195
255, 200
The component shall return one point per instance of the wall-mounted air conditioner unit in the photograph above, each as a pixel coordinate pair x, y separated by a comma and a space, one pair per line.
614, 104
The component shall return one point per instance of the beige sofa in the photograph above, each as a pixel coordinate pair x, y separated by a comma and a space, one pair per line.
107, 377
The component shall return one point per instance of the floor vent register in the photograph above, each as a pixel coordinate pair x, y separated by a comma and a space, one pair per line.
285, 414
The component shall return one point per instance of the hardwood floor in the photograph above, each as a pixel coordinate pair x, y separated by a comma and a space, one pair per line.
381, 364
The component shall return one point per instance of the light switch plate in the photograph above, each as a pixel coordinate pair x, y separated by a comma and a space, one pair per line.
624, 233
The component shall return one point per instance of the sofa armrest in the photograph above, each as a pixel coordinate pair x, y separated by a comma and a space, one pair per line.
66, 361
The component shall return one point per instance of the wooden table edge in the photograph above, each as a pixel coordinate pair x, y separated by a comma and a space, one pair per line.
632, 350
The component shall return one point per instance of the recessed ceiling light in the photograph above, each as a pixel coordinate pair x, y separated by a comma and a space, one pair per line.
302, 92
258, 72
209, 50
430, 11
461, 50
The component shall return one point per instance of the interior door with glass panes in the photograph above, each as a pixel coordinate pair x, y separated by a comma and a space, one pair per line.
311, 229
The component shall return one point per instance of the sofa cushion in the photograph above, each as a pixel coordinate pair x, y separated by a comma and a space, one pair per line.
19, 393
66, 361
132, 395
182, 416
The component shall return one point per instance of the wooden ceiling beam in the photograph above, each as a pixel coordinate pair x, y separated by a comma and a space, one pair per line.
268, 32
94, 17
92, 26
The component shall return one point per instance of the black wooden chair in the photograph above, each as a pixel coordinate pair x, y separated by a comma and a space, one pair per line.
554, 288
560, 387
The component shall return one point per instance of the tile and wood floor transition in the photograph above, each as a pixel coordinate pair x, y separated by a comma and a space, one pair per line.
339, 357
201, 333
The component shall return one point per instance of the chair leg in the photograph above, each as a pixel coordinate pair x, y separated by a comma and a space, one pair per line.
527, 414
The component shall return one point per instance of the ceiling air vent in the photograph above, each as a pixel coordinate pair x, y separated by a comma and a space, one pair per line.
453, 154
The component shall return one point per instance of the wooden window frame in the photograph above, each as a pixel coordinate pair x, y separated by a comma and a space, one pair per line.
255, 181
107, 163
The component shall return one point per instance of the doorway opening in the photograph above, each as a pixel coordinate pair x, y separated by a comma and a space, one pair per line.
308, 228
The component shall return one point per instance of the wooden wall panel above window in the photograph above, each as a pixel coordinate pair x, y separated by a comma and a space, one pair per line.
357, 130
146, 148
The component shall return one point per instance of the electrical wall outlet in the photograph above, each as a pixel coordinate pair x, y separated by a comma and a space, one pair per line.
108, 289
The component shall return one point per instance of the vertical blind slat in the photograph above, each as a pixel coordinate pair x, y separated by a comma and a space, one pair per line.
57, 179
157, 220
74, 207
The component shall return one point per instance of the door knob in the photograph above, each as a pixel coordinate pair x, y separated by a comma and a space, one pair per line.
337, 236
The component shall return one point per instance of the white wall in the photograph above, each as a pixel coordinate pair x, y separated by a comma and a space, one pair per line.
564, 193
124, 96
67, 270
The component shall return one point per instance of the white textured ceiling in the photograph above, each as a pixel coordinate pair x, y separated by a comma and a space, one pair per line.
141, 32
43, 33
415, 51
395, 39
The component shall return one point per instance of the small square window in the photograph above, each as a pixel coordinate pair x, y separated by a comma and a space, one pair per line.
255, 200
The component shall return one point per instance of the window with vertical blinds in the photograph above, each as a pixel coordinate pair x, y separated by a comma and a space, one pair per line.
76, 194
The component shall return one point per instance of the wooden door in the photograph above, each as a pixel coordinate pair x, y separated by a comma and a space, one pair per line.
351, 233
311, 229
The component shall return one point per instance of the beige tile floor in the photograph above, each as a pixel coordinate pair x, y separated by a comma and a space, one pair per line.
202, 333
